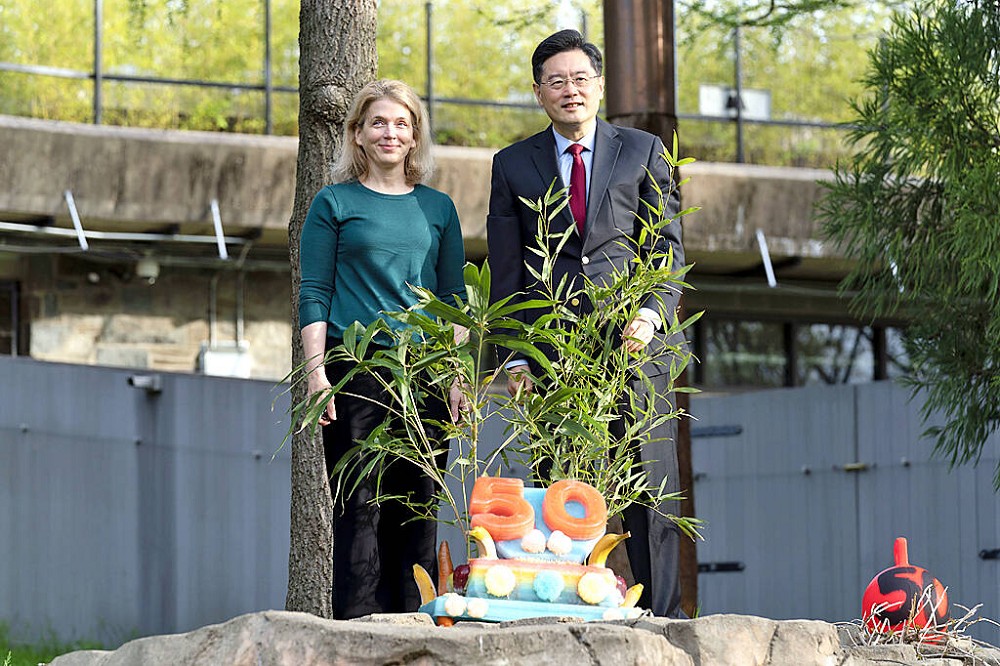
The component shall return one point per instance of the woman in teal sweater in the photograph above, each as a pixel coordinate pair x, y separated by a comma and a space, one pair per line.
365, 238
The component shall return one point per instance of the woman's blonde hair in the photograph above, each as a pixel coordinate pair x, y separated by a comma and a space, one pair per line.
353, 163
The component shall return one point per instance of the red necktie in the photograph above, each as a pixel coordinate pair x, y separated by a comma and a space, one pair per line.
578, 187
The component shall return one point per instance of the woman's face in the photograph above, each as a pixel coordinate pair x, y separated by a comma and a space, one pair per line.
386, 135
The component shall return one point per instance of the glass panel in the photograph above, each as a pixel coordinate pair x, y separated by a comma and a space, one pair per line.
898, 361
834, 354
743, 353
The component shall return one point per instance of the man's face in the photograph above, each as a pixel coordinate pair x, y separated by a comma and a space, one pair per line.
572, 109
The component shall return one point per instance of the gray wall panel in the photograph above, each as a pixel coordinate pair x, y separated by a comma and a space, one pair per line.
985, 574
759, 501
811, 543
133, 512
69, 502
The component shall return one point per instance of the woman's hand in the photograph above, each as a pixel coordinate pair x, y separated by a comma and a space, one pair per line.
318, 384
313, 344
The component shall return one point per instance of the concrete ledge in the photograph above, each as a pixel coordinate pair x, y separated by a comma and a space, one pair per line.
151, 180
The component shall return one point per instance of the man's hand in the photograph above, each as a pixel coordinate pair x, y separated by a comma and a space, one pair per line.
458, 400
638, 334
519, 377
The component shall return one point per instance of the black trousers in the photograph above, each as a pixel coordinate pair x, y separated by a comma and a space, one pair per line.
654, 548
375, 546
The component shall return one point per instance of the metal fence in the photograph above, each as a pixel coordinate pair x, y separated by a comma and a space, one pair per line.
100, 77
135, 504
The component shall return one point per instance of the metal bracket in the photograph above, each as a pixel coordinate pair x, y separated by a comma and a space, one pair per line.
151, 384
765, 257
717, 431
721, 567
220, 237
75, 216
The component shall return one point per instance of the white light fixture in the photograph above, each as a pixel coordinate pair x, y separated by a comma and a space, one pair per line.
148, 269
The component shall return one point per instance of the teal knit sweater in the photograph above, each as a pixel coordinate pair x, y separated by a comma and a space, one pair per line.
360, 248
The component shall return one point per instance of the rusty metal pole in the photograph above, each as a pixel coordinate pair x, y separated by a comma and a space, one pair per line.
640, 73
640, 65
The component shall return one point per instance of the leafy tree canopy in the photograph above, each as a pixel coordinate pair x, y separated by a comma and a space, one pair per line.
808, 62
773, 14
917, 205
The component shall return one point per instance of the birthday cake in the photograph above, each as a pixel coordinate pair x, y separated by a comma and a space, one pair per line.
542, 553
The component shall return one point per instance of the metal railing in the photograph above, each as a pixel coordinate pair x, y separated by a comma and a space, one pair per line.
267, 86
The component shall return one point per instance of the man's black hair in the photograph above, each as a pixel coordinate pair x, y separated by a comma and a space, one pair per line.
560, 42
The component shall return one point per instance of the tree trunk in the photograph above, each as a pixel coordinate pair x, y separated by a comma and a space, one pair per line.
337, 56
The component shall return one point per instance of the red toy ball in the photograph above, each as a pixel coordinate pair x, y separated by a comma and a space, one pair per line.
890, 603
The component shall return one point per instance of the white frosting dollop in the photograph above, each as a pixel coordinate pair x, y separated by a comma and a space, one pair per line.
478, 607
454, 605
533, 542
559, 543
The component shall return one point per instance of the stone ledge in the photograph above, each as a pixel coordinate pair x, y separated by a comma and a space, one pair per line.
281, 637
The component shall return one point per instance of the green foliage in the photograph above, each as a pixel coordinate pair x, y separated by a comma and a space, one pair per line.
208, 40
809, 64
916, 205
29, 38
568, 421
481, 52
773, 14
44, 651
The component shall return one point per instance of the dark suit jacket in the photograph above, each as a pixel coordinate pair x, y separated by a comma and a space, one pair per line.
619, 182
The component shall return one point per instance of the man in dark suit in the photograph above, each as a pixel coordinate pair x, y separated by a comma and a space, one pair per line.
605, 168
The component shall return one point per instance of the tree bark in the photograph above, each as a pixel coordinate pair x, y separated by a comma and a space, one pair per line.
337, 56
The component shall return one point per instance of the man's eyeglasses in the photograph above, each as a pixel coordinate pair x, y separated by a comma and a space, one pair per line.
581, 82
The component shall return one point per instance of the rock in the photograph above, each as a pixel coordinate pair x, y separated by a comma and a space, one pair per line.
850, 634
299, 639
82, 658
988, 656
401, 619
811, 640
741, 640
967, 649
282, 638
867, 654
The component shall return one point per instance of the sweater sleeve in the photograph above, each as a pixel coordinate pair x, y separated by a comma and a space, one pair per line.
451, 260
318, 259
